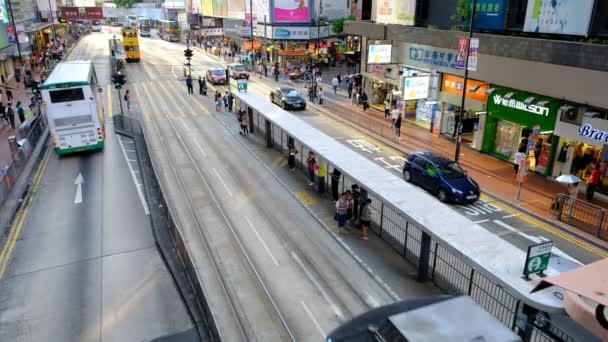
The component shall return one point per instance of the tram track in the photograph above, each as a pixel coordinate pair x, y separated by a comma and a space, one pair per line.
246, 323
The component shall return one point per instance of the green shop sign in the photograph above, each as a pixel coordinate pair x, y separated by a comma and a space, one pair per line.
523, 108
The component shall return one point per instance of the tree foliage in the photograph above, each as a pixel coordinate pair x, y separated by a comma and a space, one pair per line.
124, 3
338, 25
463, 11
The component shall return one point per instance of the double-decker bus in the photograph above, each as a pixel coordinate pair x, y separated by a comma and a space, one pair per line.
144, 27
131, 44
96, 26
131, 21
72, 107
169, 30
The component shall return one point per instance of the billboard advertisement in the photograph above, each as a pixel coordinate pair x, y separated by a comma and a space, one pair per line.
416, 87
261, 9
81, 13
379, 53
206, 7
559, 16
236, 28
401, 12
220, 8
4, 22
490, 14
291, 11
236, 9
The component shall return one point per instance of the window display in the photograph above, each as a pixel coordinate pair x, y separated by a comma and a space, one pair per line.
507, 138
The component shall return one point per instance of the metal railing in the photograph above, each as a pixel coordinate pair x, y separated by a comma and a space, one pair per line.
583, 215
20, 156
434, 260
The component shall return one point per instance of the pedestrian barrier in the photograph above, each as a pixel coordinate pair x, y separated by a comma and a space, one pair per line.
436, 259
583, 215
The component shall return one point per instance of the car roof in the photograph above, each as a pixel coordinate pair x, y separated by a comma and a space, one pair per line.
286, 89
433, 157
214, 69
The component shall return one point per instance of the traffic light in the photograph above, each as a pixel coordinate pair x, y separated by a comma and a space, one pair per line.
113, 55
118, 80
188, 53
56, 57
35, 87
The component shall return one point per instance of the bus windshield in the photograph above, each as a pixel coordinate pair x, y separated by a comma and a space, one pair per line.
96, 22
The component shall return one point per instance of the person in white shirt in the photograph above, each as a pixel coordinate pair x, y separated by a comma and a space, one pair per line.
320, 95
519, 156
335, 83
394, 115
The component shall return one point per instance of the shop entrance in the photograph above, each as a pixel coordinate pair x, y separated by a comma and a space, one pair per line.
470, 123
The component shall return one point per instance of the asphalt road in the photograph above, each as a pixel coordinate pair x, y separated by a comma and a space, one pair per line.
87, 269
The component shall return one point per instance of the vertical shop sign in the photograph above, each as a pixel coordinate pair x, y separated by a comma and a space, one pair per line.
473, 52
461, 52
10, 32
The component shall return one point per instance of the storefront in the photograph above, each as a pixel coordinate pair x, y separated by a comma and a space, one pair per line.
381, 82
583, 142
450, 100
521, 120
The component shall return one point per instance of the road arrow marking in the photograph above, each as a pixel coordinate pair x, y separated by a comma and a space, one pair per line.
78, 182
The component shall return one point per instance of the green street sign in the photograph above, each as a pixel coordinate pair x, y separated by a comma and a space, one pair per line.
537, 259
241, 85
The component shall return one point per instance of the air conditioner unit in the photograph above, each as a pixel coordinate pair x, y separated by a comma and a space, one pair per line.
570, 115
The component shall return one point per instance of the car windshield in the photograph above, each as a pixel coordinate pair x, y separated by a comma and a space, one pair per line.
217, 72
238, 67
292, 93
452, 170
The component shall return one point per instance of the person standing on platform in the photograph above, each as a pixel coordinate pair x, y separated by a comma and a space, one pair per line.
365, 218
291, 158
593, 181
189, 84
244, 127
311, 163
335, 183
356, 197
341, 209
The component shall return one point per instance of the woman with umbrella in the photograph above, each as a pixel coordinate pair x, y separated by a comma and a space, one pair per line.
573, 189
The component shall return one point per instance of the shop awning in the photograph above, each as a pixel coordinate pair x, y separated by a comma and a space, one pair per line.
292, 52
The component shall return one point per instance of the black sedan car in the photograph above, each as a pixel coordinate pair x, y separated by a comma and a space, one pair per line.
441, 176
287, 98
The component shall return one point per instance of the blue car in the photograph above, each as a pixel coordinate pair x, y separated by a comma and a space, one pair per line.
441, 176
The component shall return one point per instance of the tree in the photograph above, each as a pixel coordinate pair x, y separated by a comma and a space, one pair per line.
124, 3
338, 25
463, 11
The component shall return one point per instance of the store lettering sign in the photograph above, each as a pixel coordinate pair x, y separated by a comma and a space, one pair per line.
587, 130
520, 105
434, 57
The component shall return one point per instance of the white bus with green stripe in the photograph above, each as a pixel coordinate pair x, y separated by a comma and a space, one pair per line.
72, 107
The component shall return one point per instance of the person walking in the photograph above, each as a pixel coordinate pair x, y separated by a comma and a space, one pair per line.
311, 163
9, 95
201, 85
387, 108
394, 115
397, 126
310, 90
350, 89
365, 218
230, 101
10, 114
339, 77
341, 209
225, 100
20, 112
356, 201
291, 158
127, 99
519, 156
335, 183
593, 181
334, 83
320, 95
189, 84
363, 100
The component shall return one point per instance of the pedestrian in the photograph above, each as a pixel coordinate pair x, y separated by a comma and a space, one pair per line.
230, 101
341, 210
20, 112
276, 74
218, 104
397, 126
365, 218
335, 183
339, 77
538, 145
519, 156
189, 84
354, 99
387, 108
291, 158
363, 101
9, 95
350, 89
310, 89
350, 202
593, 181
320, 95
244, 124
311, 163
3, 113
17, 76
201, 85
394, 116
334, 83
573, 191
127, 99
10, 114
225, 99
356, 200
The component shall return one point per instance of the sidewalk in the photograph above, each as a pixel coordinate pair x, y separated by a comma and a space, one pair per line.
494, 176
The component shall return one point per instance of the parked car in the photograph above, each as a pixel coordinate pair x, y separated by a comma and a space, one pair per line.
216, 76
287, 98
238, 71
441, 176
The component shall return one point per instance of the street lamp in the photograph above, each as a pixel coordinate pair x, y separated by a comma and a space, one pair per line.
464, 90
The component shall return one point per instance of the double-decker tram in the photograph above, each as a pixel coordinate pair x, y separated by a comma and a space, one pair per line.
169, 30
131, 44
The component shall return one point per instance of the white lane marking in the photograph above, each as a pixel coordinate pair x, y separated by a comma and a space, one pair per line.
274, 260
480, 221
132, 151
184, 124
536, 239
78, 182
222, 180
372, 300
173, 72
512, 215
313, 319
200, 148
333, 305
149, 71
140, 193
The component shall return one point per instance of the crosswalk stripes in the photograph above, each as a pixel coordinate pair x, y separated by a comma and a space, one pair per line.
155, 108
163, 104
175, 85
171, 98
177, 93
143, 105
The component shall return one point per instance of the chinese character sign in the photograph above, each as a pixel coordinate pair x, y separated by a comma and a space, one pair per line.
490, 14
379, 53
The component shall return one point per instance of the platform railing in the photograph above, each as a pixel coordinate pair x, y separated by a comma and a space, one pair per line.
434, 260
583, 215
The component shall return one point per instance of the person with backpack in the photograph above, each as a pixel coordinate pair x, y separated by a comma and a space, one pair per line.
127, 99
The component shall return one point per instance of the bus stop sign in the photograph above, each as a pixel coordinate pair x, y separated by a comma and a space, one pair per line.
241, 85
537, 259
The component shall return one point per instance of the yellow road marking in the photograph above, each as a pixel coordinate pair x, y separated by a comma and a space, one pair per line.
144, 108
172, 99
159, 116
190, 108
306, 198
163, 103
109, 101
16, 231
197, 100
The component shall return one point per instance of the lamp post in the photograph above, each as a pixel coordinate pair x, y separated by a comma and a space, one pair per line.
251, 28
464, 87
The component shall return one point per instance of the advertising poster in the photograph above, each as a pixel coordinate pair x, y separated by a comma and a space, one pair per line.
416, 87
207, 7
10, 33
291, 11
379, 53
400, 12
473, 52
220, 8
559, 16
21, 34
236, 9
461, 55
490, 14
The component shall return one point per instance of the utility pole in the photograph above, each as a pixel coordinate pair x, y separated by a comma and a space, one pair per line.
188, 53
464, 86
10, 8
52, 24
251, 27
119, 80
